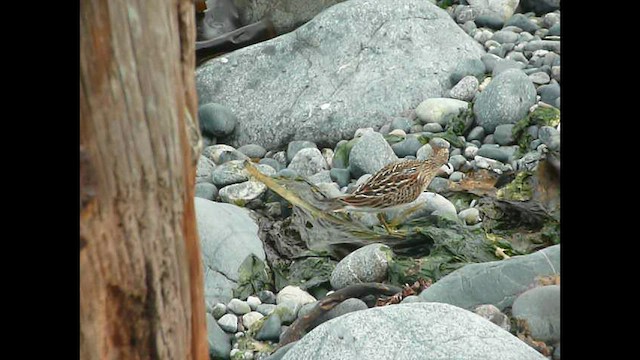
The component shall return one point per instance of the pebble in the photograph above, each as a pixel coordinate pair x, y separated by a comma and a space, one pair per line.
490, 21
493, 314
469, 27
493, 153
488, 139
505, 37
555, 73
253, 151
253, 302
360, 159
503, 135
435, 127
464, 90
540, 78
554, 30
470, 216
238, 306
457, 161
273, 163
271, 329
204, 168
415, 129
206, 190
551, 45
401, 123
550, 136
221, 153
288, 173
550, 19
231, 172
490, 61
250, 318
295, 294
340, 176
522, 22
482, 36
504, 65
469, 67
216, 120
440, 110
456, 176
424, 152
218, 310
323, 176
308, 161
491, 164
470, 152
484, 84
398, 132
287, 311
267, 297
297, 145
228, 323
242, 193
408, 146
265, 309
438, 185
517, 56
366, 264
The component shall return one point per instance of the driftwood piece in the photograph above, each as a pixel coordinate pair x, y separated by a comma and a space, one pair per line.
300, 325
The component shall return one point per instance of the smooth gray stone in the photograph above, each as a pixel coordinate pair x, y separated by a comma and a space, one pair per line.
253, 150
540, 307
490, 21
204, 168
549, 93
493, 153
504, 65
457, 161
540, 7
465, 90
367, 264
523, 23
206, 191
219, 341
505, 100
266, 309
275, 164
297, 145
551, 45
435, 127
242, 193
503, 135
426, 331
270, 329
267, 297
550, 136
469, 67
496, 282
370, 154
456, 176
238, 306
222, 258
554, 30
216, 119
401, 123
340, 176
406, 147
373, 35
470, 216
228, 323
505, 37
438, 185
308, 161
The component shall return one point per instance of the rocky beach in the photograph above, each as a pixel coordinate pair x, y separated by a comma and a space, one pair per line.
473, 272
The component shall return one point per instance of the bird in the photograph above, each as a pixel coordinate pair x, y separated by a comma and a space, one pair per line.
394, 185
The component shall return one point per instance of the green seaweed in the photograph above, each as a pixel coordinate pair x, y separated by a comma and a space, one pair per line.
253, 276
541, 116
456, 126
520, 189
309, 273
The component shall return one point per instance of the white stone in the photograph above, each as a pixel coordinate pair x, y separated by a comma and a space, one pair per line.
253, 302
250, 318
295, 294
228, 323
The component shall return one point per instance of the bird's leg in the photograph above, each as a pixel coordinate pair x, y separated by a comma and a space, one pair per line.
383, 221
397, 220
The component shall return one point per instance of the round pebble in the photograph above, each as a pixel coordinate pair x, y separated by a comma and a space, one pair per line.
250, 318
253, 150
470, 216
540, 78
503, 135
456, 176
464, 90
297, 145
238, 306
490, 21
228, 323
216, 120
218, 310
253, 302
401, 123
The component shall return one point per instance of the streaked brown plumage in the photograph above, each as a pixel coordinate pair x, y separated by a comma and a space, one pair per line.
395, 184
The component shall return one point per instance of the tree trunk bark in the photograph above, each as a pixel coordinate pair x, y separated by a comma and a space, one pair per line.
141, 280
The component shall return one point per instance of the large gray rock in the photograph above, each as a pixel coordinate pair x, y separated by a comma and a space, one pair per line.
495, 282
227, 236
322, 81
540, 308
367, 264
370, 154
540, 6
286, 15
505, 100
414, 331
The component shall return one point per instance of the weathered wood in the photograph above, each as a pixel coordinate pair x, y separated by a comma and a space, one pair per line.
300, 326
141, 281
